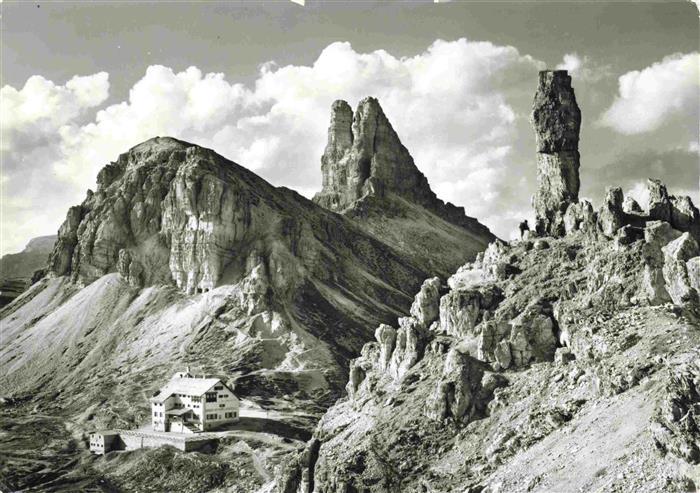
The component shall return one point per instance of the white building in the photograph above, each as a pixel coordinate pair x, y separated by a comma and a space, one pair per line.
189, 404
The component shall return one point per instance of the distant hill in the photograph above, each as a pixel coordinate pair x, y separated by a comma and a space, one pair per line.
16, 269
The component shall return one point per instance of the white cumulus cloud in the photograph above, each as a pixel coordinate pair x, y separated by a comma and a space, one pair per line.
651, 97
458, 107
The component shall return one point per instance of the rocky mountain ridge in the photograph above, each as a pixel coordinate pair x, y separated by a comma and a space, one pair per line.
518, 349
370, 176
182, 257
566, 361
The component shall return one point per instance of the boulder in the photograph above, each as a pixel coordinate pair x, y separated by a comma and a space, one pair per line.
631, 206
675, 271
462, 309
540, 244
610, 216
491, 333
502, 355
659, 204
653, 286
456, 391
685, 216
532, 336
520, 348
660, 233
426, 305
580, 217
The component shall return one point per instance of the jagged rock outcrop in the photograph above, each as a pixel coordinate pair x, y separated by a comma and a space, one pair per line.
386, 337
364, 157
456, 391
557, 120
410, 344
563, 353
659, 203
462, 309
580, 216
426, 306
370, 176
676, 256
611, 217
631, 206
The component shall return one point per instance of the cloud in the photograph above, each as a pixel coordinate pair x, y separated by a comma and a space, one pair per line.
652, 97
458, 106
583, 68
41, 107
677, 168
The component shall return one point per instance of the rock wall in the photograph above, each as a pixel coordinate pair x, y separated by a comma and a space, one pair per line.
557, 120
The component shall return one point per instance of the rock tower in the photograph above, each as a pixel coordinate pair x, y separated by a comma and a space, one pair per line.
364, 156
557, 120
365, 162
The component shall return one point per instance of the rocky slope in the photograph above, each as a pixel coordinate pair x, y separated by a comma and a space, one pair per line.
370, 176
272, 268
564, 362
17, 269
546, 365
182, 257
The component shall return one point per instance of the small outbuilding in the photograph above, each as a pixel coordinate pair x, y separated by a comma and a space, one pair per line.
104, 441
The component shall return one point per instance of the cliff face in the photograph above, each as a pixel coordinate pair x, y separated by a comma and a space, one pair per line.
557, 120
370, 176
364, 156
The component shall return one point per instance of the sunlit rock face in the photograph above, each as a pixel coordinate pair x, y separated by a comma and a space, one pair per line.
364, 159
364, 156
557, 120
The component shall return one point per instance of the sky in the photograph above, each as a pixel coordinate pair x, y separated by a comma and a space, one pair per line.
83, 82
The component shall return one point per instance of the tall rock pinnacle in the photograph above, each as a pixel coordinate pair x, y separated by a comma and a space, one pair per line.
557, 120
364, 156
365, 160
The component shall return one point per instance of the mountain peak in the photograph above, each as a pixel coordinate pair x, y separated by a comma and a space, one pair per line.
364, 158
160, 144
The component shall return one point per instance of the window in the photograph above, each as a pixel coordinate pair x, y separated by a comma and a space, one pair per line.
222, 405
211, 396
196, 398
222, 396
219, 387
155, 414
